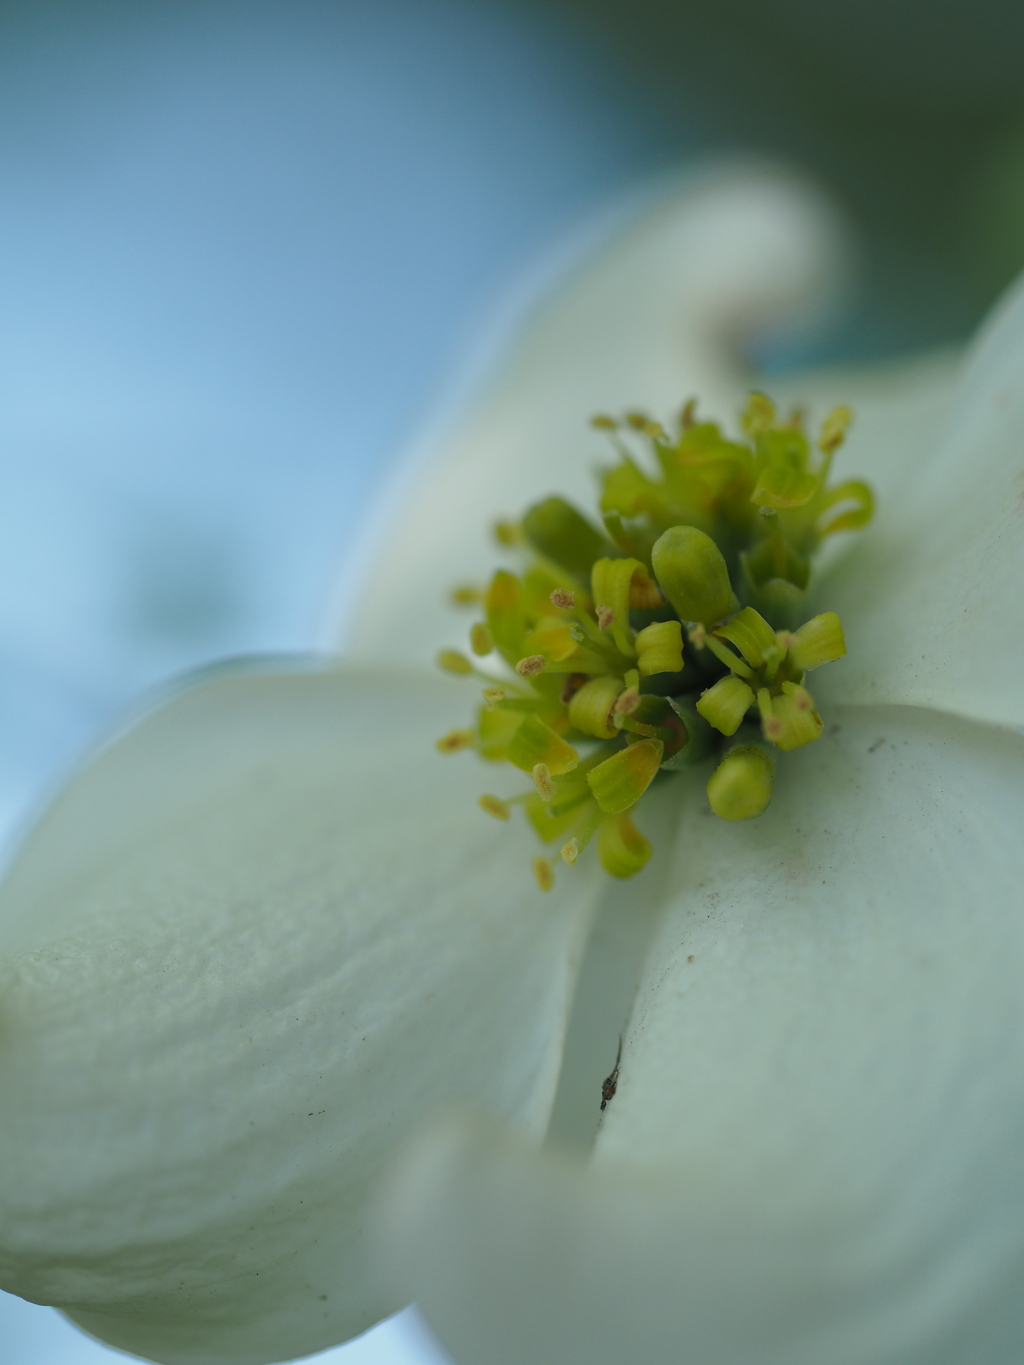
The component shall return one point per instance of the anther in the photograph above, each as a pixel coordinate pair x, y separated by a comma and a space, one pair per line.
770, 722
465, 595
544, 873
799, 723
531, 665
455, 740
603, 423
492, 695
480, 638
454, 662
563, 598
605, 617
570, 851
626, 702
493, 805
508, 533
542, 782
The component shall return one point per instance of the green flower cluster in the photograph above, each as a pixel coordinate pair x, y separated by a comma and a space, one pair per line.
665, 636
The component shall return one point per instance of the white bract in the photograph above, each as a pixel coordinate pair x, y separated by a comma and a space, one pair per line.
266, 937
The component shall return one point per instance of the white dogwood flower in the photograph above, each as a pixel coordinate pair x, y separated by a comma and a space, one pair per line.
265, 936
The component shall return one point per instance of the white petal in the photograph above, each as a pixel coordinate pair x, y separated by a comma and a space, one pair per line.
931, 597
656, 316
249, 949
816, 1151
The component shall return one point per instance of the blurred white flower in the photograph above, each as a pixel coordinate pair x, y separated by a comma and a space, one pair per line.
265, 936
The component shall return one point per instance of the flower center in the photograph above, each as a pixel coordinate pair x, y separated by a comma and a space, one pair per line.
672, 635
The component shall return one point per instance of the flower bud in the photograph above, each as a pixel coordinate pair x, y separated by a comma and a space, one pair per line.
558, 532
692, 574
741, 785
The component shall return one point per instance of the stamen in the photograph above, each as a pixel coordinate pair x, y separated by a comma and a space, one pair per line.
798, 722
727, 656
627, 702
455, 740
544, 873
508, 533
542, 782
770, 722
586, 827
493, 805
466, 595
454, 662
611, 582
531, 665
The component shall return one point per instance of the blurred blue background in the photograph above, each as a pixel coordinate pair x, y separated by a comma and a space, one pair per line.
243, 245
